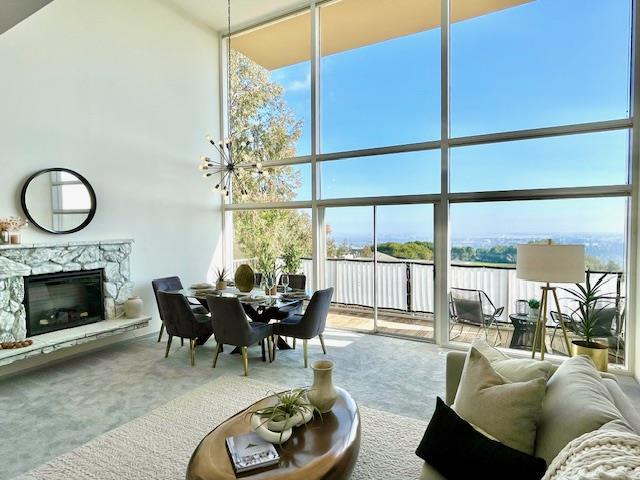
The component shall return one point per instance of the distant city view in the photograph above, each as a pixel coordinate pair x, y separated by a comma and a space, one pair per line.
604, 251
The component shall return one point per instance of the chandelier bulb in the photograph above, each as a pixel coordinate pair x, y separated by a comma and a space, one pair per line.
209, 138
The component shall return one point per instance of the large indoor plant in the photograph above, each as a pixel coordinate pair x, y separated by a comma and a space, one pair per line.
585, 319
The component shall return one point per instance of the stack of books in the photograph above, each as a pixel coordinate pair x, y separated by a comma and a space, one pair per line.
250, 452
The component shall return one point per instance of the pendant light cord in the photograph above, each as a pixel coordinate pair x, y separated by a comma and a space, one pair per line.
229, 68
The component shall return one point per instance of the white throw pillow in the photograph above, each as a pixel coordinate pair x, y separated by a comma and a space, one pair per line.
513, 369
508, 412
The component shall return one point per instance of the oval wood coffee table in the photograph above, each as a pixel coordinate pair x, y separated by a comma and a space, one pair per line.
326, 449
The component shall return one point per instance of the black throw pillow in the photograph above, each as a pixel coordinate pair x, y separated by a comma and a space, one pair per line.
458, 451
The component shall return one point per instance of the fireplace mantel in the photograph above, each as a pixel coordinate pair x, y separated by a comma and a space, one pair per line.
19, 261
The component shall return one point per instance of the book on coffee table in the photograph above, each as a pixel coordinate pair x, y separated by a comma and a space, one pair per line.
249, 452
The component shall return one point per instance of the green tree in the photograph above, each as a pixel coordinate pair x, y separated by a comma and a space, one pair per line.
260, 115
414, 250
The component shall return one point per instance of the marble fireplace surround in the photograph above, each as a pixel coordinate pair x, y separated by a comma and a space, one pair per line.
19, 261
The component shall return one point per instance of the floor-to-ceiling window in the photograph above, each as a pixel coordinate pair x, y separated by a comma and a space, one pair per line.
415, 157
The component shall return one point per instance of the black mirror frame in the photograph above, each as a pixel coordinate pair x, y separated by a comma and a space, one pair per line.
85, 182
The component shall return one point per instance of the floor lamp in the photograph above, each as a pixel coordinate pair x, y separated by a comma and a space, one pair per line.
549, 263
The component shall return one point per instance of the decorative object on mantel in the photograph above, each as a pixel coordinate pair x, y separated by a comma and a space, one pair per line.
133, 307
322, 394
13, 345
58, 200
221, 278
244, 278
10, 230
229, 148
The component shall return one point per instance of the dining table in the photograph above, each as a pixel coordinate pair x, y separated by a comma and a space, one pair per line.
258, 306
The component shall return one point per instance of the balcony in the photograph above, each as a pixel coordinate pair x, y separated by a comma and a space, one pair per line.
406, 300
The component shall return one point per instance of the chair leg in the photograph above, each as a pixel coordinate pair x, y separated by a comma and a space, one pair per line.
275, 347
161, 332
245, 360
166, 353
181, 342
270, 348
294, 343
306, 353
324, 349
215, 355
192, 350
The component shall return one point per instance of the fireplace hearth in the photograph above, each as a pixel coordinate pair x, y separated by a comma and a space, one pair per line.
63, 300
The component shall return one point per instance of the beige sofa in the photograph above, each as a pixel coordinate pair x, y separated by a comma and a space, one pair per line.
566, 418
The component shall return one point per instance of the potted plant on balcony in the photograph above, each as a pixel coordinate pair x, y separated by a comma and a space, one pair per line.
534, 308
586, 320
291, 258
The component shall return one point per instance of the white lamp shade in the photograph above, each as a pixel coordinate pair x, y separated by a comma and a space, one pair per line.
551, 263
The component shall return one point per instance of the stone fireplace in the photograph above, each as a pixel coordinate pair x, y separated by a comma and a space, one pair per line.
18, 262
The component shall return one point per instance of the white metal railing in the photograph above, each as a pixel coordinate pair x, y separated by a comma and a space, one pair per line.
408, 286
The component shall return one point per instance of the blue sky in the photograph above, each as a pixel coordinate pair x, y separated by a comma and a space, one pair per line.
545, 63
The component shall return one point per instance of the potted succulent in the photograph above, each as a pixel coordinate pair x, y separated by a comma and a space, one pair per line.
221, 278
534, 308
585, 318
275, 423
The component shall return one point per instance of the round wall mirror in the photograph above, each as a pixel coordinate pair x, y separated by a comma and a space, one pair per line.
58, 200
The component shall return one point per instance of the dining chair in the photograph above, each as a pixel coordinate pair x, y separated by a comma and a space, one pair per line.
231, 326
171, 284
309, 325
296, 281
181, 321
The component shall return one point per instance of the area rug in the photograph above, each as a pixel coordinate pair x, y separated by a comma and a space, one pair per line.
159, 444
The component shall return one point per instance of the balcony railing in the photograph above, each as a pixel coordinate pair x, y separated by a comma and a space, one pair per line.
408, 285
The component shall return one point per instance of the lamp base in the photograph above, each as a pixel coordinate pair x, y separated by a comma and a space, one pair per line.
541, 325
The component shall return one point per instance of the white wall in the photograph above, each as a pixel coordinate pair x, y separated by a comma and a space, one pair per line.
124, 92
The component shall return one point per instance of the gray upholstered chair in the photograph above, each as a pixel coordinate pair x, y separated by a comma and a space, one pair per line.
231, 326
181, 321
296, 281
171, 284
309, 325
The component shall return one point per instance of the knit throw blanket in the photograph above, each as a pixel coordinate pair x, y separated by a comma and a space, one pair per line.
599, 455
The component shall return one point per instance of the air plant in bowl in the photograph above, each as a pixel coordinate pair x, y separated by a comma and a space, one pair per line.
275, 423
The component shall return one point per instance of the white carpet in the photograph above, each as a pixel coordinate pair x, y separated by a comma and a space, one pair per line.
159, 444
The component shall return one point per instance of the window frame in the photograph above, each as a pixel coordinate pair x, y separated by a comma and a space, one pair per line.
445, 198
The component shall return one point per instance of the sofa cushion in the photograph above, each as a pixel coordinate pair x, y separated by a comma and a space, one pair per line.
507, 411
623, 404
456, 450
513, 369
577, 402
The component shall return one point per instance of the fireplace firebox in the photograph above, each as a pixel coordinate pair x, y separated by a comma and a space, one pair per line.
63, 300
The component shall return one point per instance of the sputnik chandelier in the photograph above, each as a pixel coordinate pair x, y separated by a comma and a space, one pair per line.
227, 166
